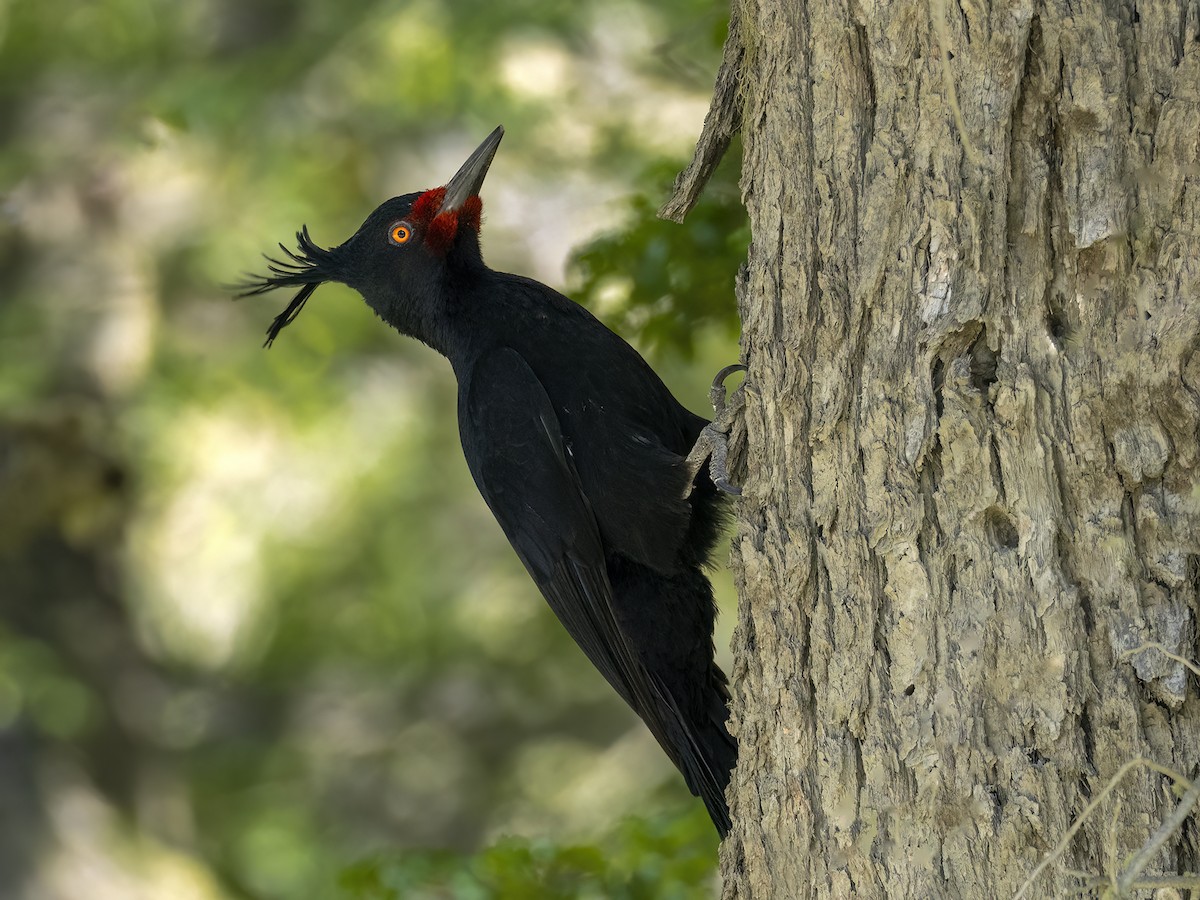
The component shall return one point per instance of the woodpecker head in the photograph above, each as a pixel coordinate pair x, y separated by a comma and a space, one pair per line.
400, 256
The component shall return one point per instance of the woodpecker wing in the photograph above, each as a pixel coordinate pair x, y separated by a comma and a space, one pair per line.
515, 450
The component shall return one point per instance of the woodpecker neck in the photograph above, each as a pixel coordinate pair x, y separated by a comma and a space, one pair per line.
435, 307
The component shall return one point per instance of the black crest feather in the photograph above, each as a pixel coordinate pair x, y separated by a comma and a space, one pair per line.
308, 269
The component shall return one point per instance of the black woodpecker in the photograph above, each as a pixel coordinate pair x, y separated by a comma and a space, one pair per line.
576, 445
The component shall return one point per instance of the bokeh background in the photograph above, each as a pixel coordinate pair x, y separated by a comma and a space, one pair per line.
259, 636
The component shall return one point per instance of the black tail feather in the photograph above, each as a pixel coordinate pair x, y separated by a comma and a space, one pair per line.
713, 756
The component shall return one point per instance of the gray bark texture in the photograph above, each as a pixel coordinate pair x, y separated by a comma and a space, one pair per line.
968, 548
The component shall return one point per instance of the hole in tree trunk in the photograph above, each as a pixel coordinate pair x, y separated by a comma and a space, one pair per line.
1001, 528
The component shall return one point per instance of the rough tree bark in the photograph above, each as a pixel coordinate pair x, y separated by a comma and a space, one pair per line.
971, 470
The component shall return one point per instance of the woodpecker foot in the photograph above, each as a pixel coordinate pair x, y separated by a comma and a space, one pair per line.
713, 442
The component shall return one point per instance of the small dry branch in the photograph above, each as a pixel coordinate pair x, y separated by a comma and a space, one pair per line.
1155, 645
1121, 884
723, 121
937, 14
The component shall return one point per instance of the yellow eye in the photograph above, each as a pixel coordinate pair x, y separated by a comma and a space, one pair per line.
400, 234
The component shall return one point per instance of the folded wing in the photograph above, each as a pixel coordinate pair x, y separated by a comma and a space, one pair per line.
515, 450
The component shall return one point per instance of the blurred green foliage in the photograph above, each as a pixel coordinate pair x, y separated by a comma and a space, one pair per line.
662, 283
645, 859
251, 604
34, 683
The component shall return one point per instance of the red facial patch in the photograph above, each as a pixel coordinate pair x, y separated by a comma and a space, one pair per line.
471, 213
442, 231
427, 205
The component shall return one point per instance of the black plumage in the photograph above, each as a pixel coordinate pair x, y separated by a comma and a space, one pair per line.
575, 444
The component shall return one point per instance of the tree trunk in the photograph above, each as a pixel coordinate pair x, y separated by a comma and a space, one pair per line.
971, 470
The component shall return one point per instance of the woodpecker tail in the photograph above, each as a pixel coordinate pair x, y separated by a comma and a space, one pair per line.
669, 618
718, 751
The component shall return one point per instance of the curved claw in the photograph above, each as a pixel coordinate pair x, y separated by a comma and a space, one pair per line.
719, 379
728, 488
716, 394
713, 442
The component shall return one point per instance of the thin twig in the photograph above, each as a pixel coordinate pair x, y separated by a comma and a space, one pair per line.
1186, 880
937, 13
1152, 846
1110, 863
1065, 840
1155, 645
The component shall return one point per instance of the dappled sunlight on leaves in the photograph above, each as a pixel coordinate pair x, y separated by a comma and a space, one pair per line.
660, 283
643, 859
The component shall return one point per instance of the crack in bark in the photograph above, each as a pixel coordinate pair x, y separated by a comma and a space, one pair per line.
863, 51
